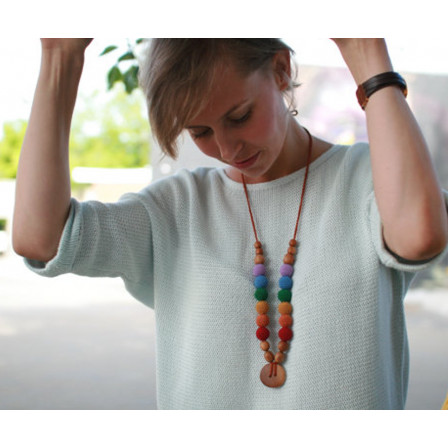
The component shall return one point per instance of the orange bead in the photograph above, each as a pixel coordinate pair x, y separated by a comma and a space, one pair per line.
285, 320
269, 356
292, 242
257, 244
259, 251
284, 308
292, 250
262, 307
283, 346
259, 259
264, 345
262, 320
288, 259
279, 357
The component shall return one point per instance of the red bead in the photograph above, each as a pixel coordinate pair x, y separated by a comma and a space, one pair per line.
285, 334
285, 320
262, 320
263, 333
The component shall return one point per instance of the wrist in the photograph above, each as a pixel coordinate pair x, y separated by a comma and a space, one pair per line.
366, 58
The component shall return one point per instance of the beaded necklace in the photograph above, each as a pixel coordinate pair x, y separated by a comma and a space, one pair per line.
273, 374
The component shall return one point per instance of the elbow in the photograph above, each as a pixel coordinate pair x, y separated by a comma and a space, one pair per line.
33, 250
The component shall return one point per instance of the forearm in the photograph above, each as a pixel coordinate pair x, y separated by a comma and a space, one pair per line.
407, 192
43, 177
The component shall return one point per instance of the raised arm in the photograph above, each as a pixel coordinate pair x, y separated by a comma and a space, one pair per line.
409, 197
43, 178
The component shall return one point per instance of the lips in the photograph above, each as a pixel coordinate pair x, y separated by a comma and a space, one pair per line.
246, 162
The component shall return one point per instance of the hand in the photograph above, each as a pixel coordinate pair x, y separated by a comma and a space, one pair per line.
68, 45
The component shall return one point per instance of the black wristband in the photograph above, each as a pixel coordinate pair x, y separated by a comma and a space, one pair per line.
372, 85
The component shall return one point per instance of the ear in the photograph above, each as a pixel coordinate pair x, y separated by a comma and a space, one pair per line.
281, 63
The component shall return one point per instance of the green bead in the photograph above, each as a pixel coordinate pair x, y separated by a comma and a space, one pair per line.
284, 295
261, 293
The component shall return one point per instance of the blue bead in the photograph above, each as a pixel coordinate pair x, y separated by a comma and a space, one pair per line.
260, 281
285, 282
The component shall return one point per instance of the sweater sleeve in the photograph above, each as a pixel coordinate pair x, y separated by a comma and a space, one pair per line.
387, 257
106, 240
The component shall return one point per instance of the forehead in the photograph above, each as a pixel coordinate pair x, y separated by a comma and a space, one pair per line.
228, 88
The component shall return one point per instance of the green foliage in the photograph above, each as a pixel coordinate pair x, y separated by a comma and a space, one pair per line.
10, 144
112, 135
117, 74
105, 134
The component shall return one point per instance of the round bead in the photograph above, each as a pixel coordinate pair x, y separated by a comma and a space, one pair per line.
262, 333
257, 244
285, 334
269, 356
283, 346
284, 308
259, 259
288, 259
292, 250
264, 345
292, 243
285, 282
262, 307
286, 269
261, 281
259, 269
259, 251
285, 320
279, 357
261, 294
284, 295
263, 320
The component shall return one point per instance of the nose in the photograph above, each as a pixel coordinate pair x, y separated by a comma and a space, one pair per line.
228, 145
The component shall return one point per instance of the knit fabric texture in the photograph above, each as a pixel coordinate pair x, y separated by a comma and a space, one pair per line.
184, 247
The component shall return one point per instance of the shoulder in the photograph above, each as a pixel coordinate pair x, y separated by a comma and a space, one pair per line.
182, 186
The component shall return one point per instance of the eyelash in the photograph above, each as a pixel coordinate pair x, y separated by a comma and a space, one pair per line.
236, 122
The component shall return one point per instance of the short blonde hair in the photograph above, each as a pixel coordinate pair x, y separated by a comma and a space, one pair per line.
176, 77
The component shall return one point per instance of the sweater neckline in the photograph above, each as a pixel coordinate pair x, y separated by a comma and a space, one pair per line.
230, 183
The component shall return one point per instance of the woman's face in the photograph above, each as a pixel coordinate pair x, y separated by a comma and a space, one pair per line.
244, 124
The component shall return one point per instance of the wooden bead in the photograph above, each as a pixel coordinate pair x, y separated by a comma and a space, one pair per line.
283, 308
292, 250
279, 357
263, 320
288, 259
264, 345
285, 320
259, 251
259, 259
269, 356
292, 242
283, 346
262, 307
257, 244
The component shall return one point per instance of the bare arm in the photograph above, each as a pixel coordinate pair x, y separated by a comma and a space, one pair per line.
409, 197
43, 178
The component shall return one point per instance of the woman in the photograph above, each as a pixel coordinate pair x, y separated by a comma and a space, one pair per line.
370, 217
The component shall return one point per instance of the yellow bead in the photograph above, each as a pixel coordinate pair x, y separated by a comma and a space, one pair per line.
262, 307
284, 308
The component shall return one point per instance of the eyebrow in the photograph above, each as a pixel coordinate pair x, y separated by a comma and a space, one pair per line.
236, 106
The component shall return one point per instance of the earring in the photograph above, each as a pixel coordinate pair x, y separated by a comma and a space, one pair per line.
294, 112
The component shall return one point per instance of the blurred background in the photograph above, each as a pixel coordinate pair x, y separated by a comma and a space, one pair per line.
79, 343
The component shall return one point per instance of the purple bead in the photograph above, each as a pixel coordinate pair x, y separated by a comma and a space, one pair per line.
286, 269
259, 269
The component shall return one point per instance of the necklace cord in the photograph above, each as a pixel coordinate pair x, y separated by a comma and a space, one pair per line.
310, 147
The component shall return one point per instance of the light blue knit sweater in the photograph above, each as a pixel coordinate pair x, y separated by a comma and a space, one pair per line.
184, 246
